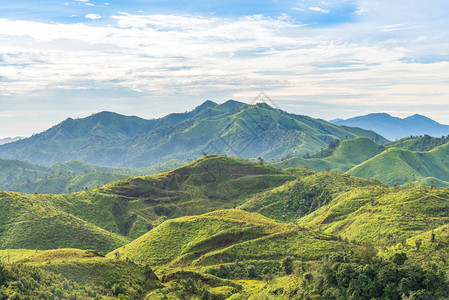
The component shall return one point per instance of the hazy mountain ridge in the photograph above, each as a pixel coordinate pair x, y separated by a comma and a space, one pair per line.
8, 140
394, 128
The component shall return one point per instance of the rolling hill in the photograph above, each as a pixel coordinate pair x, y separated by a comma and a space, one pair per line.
107, 217
232, 128
399, 166
221, 227
344, 156
225, 236
394, 128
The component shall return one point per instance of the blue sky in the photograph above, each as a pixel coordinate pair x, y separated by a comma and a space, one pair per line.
325, 59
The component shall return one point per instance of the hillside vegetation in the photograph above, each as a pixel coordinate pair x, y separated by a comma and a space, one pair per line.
222, 227
342, 157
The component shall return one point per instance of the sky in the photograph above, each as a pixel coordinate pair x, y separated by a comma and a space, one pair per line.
326, 59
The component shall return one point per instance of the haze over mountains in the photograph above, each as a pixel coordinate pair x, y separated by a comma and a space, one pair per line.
231, 128
394, 128
10, 139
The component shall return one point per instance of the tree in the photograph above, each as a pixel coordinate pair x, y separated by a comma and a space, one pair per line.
260, 160
418, 243
251, 271
399, 258
287, 265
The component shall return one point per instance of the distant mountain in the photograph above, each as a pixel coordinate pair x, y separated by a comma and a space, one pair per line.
394, 128
232, 128
10, 139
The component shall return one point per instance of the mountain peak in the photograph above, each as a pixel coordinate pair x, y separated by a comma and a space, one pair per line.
231, 105
206, 104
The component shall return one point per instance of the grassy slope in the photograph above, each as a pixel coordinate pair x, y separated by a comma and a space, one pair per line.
107, 217
381, 215
301, 197
401, 166
223, 237
347, 155
31, 221
86, 272
421, 143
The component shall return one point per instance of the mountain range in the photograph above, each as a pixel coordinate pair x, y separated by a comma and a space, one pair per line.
394, 128
231, 128
10, 139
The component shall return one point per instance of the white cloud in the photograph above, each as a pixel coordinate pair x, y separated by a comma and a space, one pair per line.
90, 4
364, 63
93, 16
319, 9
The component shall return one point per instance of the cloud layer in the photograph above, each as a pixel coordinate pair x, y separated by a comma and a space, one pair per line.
383, 57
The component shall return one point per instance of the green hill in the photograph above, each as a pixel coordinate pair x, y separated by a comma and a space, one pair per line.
232, 128
419, 143
71, 176
399, 166
344, 156
301, 197
71, 274
381, 215
225, 236
217, 228
107, 217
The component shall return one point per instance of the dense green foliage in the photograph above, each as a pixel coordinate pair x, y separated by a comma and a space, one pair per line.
71, 274
352, 276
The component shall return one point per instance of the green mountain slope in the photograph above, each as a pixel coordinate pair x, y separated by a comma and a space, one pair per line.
301, 197
225, 236
72, 274
381, 215
346, 155
399, 166
32, 222
71, 176
232, 128
106, 217
215, 228
421, 143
